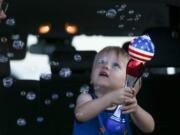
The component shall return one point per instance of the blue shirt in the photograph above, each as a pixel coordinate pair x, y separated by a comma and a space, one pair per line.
92, 127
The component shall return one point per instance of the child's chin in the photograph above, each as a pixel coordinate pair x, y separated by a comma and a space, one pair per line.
102, 84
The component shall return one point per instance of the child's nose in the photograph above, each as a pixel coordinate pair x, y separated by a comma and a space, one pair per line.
106, 66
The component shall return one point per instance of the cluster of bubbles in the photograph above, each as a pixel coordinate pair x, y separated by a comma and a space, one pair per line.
66, 72
124, 14
22, 121
15, 44
31, 96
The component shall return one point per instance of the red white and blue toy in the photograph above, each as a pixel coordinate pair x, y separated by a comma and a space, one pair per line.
141, 50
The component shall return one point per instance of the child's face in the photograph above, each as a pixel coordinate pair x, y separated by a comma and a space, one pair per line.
109, 71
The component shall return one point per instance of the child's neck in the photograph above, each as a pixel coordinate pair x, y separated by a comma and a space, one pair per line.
101, 91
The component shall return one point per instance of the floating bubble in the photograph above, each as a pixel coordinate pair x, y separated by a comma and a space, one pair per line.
131, 12
130, 34
122, 17
54, 63
65, 72
72, 105
121, 26
10, 22
133, 28
145, 74
4, 40
10, 54
15, 37
101, 12
18, 44
7, 82
123, 6
111, 13
47, 101
84, 88
40, 119
46, 76
21, 122
30, 95
77, 57
137, 17
174, 34
69, 94
23, 93
129, 19
3, 59
55, 96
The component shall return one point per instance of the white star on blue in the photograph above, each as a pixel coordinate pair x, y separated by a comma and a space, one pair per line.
143, 44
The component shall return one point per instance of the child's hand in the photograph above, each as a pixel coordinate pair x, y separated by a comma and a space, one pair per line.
130, 105
119, 96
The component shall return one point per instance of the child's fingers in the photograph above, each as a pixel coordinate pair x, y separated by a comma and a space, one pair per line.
127, 111
130, 95
129, 92
129, 108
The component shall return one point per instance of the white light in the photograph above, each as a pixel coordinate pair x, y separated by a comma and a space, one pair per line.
97, 43
32, 66
171, 71
32, 39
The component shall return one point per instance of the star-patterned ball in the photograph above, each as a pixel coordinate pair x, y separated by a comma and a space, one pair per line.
141, 48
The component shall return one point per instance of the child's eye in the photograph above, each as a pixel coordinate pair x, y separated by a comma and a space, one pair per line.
116, 65
102, 61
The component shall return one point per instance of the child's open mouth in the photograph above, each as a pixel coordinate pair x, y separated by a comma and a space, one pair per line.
103, 74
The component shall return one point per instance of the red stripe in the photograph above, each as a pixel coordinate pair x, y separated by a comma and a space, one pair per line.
141, 54
139, 58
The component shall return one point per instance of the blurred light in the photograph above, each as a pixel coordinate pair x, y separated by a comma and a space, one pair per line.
45, 28
71, 28
31, 40
84, 42
171, 70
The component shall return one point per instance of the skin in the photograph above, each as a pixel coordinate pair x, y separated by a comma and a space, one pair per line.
108, 79
2, 13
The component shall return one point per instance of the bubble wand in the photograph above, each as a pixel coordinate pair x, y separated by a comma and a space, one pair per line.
140, 50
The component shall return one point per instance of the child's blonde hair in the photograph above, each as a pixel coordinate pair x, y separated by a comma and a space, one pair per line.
118, 51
